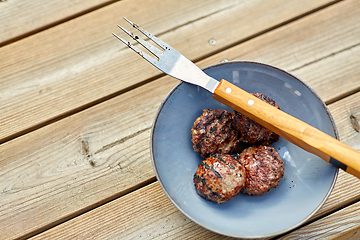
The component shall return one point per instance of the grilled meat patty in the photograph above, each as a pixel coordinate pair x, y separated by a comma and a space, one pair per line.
264, 169
213, 132
219, 178
251, 131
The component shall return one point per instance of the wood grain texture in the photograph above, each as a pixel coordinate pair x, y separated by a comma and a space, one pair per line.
292, 129
81, 63
77, 163
342, 111
342, 195
344, 224
18, 18
35, 189
144, 214
352, 234
171, 223
308, 47
45, 171
136, 217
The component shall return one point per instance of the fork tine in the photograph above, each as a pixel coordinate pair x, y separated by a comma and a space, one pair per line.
159, 42
125, 42
154, 50
138, 51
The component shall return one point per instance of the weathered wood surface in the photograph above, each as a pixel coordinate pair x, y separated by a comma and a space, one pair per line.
170, 223
344, 224
21, 18
76, 116
81, 63
144, 214
135, 216
306, 46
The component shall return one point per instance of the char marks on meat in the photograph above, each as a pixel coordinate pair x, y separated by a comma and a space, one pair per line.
219, 178
251, 131
217, 134
213, 132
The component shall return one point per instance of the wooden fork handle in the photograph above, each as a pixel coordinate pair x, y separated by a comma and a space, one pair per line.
289, 127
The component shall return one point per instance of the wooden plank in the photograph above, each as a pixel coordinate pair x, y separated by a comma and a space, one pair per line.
148, 213
75, 49
20, 18
352, 234
86, 160
77, 163
49, 168
173, 224
82, 64
308, 47
344, 224
342, 112
344, 193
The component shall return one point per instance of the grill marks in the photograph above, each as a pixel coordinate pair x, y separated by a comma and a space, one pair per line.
213, 132
251, 131
254, 172
215, 135
219, 178
230, 166
214, 195
211, 169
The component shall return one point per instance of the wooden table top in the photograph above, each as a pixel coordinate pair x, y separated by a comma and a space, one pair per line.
77, 106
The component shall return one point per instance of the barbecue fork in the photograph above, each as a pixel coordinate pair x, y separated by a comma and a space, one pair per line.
171, 62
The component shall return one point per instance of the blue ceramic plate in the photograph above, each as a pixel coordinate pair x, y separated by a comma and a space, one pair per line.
307, 181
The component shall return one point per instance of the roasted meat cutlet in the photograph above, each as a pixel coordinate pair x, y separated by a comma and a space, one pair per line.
213, 132
251, 131
264, 169
219, 178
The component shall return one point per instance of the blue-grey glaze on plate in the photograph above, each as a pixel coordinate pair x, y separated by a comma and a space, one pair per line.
307, 181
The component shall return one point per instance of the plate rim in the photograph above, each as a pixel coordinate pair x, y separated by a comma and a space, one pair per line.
199, 223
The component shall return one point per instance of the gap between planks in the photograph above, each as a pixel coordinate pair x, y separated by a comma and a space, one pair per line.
57, 22
270, 29
78, 109
83, 227
344, 227
147, 80
320, 216
89, 208
343, 180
